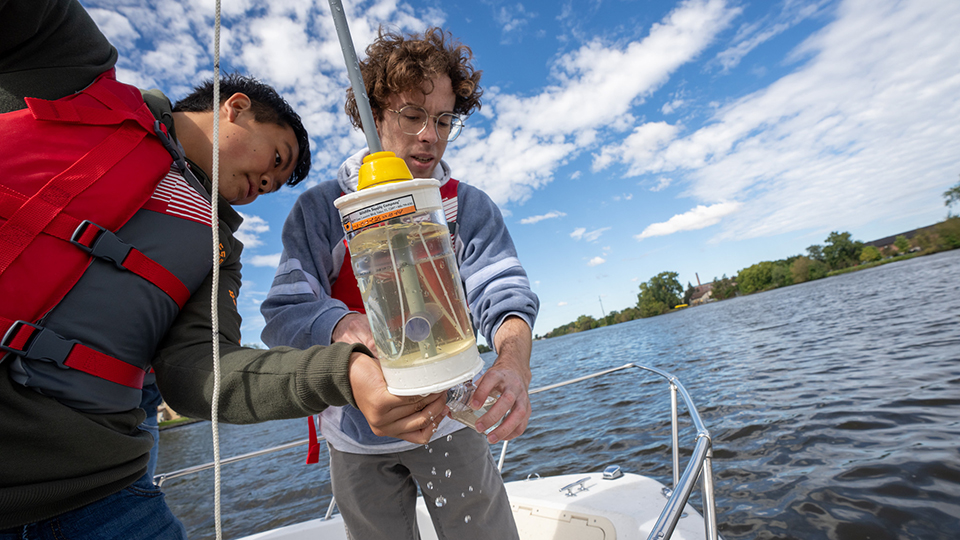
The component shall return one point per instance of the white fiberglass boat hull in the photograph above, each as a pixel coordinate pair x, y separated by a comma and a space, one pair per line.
625, 508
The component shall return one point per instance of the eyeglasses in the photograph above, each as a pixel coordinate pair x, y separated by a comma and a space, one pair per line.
413, 120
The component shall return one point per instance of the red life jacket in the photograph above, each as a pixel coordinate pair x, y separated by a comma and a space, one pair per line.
73, 173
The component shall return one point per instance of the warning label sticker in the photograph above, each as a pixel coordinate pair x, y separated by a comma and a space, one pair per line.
379, 212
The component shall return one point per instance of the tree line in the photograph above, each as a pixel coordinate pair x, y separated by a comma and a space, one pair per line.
663, 293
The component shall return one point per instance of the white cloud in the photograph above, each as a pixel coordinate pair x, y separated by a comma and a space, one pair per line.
752, 35
251, 229
698, 218
642, 148
512, 20
671, 106
596, 261
596, 86
267, 261
115, 26
580, 233
536, 219
830, 145
663, 183
561, 304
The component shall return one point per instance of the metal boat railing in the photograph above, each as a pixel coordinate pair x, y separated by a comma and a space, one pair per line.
699, 465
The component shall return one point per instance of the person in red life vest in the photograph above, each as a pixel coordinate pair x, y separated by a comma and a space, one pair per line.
105, 272
420, 88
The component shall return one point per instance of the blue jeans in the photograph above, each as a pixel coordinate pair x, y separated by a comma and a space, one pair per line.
137, 512
149, 402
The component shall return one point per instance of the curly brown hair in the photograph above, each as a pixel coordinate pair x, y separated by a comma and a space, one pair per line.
396, 64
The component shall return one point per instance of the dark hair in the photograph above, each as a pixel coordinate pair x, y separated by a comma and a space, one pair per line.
396, 64
267, 105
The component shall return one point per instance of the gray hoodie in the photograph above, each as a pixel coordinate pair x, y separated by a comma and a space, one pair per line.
299, 310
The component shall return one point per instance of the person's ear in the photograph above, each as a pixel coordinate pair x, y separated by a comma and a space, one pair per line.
235, 105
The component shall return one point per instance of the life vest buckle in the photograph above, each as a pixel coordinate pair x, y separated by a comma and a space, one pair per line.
100, 243
37, 343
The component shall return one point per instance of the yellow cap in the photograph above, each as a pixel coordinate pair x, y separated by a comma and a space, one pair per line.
382, 168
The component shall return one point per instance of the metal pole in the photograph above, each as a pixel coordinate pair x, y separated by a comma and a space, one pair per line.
709, 503
356, 80
675, 429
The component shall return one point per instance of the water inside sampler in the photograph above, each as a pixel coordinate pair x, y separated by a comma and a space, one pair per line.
412, 293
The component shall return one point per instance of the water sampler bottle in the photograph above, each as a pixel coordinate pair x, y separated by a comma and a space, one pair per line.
407, 274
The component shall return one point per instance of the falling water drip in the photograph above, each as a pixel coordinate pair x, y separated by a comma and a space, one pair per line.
449, 438
447, 473
429, 485
440, 501
466, 519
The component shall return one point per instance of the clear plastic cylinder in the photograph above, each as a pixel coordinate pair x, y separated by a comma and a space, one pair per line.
406, 270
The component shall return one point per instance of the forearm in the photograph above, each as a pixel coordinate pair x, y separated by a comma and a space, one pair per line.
256, 384
513, 342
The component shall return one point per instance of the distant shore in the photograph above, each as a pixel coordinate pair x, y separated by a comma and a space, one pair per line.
182, 421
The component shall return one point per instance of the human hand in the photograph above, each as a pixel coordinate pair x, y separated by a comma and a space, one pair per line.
354, 328
510, 375
411, 418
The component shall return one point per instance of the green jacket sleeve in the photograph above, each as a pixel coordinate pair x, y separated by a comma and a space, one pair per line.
255, 384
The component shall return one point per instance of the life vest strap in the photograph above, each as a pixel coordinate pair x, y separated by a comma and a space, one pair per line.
34, 342
313, 443
102, 243
93, 239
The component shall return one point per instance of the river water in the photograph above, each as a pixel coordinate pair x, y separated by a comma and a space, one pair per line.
834, 408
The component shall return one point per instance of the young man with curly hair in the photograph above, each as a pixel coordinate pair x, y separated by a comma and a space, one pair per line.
420, 88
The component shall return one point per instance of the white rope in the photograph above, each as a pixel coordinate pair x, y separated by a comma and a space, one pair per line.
215, 287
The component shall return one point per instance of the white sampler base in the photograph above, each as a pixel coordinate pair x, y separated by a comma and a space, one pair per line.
441, 373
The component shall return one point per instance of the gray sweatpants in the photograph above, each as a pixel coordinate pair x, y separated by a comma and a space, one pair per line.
376, 493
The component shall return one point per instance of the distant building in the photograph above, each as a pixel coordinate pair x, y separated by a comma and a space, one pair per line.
702, 294
887, 241
165, 413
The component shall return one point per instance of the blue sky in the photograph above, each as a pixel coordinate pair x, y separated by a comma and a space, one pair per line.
620, 138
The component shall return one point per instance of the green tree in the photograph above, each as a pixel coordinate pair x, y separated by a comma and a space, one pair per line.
949, 232
756, 277
870, 254
659, 295
585, 322
688, 294
724, 288
952, 195
840, 251
901, 243
800, 269
815, 252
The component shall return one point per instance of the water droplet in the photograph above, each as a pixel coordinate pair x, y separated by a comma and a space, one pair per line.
463, 494
446, 454
449, 438
440, 501
466, 519
429, 485
430, 451
470, 489
426, 447
433, 471
447, 473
